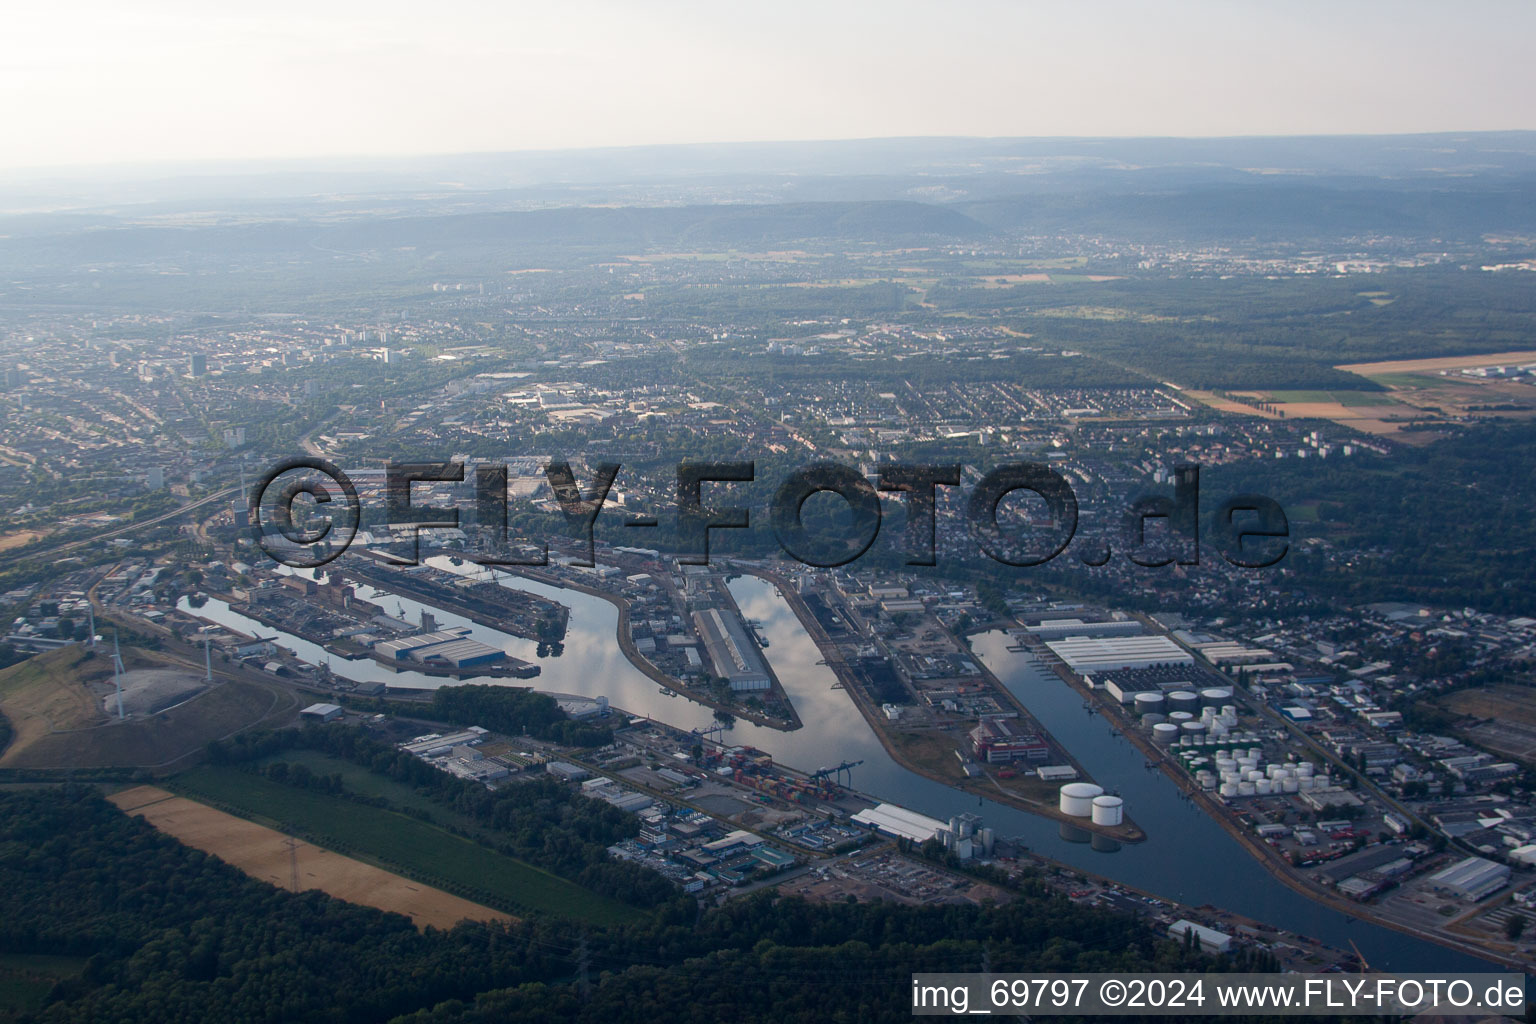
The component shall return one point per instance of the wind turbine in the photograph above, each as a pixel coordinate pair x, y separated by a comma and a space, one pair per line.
117, 674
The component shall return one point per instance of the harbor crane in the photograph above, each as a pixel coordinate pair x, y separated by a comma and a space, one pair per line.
836, 774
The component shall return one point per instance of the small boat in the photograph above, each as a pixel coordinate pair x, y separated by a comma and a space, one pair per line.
668, 693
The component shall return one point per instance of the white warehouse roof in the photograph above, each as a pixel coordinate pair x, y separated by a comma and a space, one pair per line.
1085, 655
1472, 878
898, 821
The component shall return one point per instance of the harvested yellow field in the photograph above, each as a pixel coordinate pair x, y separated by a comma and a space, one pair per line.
1226, 404
1443, 363
264, 853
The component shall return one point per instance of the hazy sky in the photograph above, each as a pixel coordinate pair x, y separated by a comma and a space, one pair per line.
94, 82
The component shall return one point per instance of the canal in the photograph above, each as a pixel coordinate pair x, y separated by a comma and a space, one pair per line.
1187, 856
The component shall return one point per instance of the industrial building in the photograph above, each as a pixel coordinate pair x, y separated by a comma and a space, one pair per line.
321, 713
1471, 879
899, 822
440, 745
446, 647
566, 771
734, 657
1086, 655
1210, 939
1001, 741
1060, 629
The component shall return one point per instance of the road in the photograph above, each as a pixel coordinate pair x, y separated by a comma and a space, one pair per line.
53, 552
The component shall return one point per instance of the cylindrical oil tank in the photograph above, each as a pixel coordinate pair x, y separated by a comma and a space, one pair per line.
1195, 729
1152, 718
1305, 769
1165, 733
1306, 783
1263, 787
1180, 716
1184, 700
988, 841
1150, 701
1228, 789
1245, 789
1077, 798
1215, 696
1108, 810
1288, 785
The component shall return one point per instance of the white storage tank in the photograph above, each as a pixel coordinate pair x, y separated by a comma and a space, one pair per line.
1180, 716
1228, 788
1150, 701
1288, 786
1245, 789
988, 841
1108, 810
1193, 729
1151, 719
1184, 700
1215, 696
1165, 733
1077, 798
1263, 787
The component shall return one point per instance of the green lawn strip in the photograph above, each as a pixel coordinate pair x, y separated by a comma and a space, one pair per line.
360, 780
1358, 399
400, 843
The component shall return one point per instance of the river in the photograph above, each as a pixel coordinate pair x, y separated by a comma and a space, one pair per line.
1187, 856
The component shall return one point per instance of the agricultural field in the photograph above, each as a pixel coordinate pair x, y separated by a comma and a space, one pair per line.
1437, 364
1501, 718
265, 854
400, 843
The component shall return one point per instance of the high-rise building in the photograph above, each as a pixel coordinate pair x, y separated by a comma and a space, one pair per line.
198, 364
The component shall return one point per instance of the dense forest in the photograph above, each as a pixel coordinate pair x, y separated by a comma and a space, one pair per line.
1448, 524
167, 933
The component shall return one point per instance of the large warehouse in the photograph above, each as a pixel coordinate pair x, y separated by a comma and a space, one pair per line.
1471, 879
734, 657
900, 822
447, 647
1087, 655
1060, 629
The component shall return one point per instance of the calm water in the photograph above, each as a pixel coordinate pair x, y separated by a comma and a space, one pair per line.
1186, 857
